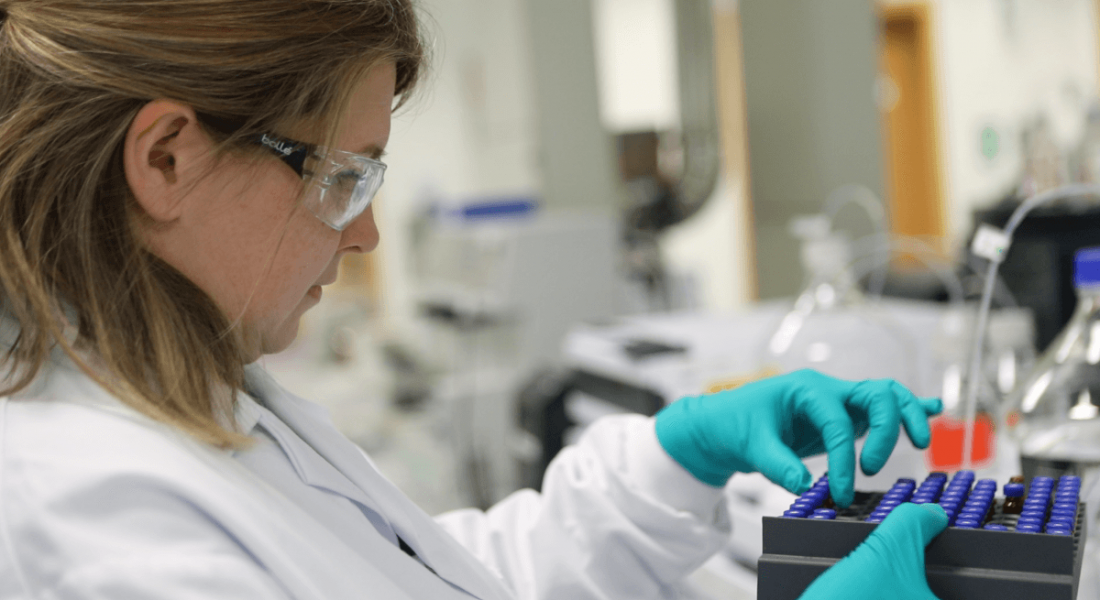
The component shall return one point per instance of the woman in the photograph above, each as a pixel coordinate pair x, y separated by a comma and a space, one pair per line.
178, 181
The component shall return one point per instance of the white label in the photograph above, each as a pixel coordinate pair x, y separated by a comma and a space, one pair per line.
990, 243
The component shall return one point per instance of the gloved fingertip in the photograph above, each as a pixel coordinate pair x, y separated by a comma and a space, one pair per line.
842, 498
799, 481
869, 471
936, 510
921, 438
931, 406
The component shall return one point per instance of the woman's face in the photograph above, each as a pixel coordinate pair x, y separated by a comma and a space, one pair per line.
238, 232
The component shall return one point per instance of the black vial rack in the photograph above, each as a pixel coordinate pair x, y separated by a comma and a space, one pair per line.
960, 563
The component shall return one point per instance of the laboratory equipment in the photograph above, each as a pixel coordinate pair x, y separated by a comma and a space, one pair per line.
986, 553
498, 288
832, 328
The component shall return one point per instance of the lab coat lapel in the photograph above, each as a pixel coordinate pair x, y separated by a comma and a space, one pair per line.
435, 546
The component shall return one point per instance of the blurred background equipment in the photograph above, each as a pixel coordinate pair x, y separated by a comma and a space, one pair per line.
499, 284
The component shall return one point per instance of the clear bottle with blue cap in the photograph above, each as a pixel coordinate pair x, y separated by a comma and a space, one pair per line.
1056, 414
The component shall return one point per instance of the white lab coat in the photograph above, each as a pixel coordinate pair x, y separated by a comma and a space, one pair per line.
100, 502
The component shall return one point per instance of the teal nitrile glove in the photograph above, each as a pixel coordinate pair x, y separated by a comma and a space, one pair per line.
889, 563
769, 425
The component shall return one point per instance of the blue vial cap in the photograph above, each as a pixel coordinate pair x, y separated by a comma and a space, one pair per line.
1086, 267
1058, 531
826, 513
907, 480
889, 503
1030, 522
874, 519
966, 523
965, 473
995, 527
881, 514
805, 503
1062, 509
794, 514
1034, 514
937, 475
1070, 478
1068, 520
1028, 528
989, 483
922, 501
1014, 490
950, 505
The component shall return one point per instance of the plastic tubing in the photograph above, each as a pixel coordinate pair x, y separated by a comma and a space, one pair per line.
875, 250
974, 372
863, 197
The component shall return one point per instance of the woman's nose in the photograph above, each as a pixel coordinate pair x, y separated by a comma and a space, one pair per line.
362, 234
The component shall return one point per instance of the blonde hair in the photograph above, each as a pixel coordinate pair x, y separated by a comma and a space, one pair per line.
73, 75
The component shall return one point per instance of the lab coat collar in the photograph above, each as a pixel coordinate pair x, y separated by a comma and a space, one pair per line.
435, 546
312, 468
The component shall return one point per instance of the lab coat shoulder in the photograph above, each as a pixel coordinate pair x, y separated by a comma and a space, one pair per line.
98, 501
617, 518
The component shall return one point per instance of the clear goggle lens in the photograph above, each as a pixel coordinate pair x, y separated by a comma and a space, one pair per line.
345, 184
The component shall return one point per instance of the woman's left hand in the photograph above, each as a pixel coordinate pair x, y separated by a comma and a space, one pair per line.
769, 425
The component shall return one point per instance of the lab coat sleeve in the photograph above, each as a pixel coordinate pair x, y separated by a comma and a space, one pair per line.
617, 518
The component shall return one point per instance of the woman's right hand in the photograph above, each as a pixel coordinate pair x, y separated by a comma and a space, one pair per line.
889, 563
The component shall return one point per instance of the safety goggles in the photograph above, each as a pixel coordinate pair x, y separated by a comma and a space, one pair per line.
342, 184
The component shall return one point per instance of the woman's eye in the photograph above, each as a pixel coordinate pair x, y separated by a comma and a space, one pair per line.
345, 181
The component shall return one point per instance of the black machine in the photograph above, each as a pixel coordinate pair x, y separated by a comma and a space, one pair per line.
1038, 270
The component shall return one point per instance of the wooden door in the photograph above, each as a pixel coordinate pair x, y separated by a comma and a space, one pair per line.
915, 197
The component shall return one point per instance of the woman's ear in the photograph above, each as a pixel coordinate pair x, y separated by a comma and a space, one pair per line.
163, 146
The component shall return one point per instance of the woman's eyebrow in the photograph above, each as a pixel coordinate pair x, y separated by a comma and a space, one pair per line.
373, 151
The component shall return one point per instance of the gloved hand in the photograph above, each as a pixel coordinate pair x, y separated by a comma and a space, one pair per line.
768, 425
889, 563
